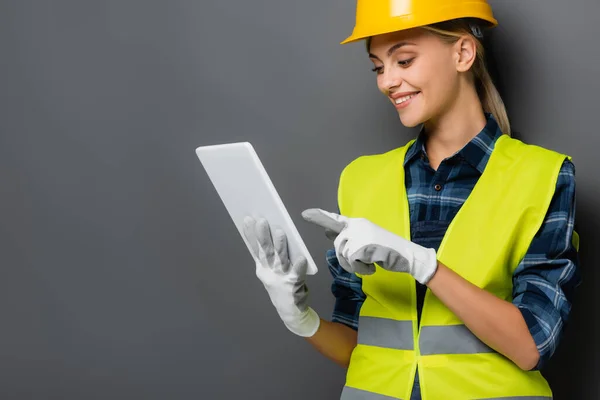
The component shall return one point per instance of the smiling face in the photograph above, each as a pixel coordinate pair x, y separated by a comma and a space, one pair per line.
418, 72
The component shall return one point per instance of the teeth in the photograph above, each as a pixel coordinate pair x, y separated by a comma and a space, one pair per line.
403, 99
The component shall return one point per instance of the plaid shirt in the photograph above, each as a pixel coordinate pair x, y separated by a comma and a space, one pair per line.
543, 282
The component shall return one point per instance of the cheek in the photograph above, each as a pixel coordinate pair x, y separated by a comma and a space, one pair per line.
438, 84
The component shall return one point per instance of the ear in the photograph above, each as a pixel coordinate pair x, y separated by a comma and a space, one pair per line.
465, 53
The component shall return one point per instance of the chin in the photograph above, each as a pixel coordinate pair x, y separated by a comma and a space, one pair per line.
411, 119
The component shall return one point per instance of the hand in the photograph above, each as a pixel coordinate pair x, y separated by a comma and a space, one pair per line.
360, 243
283, 280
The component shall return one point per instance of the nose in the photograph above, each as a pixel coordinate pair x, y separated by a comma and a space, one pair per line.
391, 80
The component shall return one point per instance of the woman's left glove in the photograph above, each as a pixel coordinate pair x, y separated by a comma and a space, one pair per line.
360, 243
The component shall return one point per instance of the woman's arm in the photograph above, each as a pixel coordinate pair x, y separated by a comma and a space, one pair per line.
335, 341
496, 322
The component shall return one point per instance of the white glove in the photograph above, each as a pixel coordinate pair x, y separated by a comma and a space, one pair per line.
283, 280
360, 243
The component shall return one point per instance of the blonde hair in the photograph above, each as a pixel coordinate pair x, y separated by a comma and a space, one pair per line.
491, 101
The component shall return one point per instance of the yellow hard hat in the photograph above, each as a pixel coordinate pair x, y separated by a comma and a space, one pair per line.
375, 17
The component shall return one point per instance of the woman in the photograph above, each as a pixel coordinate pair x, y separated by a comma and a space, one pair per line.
454, 256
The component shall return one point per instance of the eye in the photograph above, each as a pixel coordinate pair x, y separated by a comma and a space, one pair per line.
377, 70
405, 63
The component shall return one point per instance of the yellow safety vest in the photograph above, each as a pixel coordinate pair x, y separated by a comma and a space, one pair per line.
484, 244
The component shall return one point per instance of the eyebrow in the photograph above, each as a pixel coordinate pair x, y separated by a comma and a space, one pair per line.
392, 49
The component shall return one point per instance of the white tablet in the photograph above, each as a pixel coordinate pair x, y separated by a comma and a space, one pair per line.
246, 189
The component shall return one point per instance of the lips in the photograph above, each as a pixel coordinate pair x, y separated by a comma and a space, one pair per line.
403, 100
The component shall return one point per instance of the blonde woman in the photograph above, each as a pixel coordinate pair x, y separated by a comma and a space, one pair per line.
455, 256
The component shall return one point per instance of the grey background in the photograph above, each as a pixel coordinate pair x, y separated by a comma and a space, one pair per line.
121, 274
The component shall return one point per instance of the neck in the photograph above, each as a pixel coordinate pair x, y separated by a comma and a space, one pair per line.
457, 126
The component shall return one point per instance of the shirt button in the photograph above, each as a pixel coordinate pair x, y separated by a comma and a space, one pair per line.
438, 187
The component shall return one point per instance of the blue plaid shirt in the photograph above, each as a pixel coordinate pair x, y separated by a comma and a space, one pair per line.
544, 281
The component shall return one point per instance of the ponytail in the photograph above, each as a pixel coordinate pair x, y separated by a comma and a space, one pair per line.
490, 97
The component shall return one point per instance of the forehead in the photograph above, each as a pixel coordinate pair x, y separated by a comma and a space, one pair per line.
381, 43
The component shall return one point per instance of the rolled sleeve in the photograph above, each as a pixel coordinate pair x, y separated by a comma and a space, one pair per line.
547, 276
347, 289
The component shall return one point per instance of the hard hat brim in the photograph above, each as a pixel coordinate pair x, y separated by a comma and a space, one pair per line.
410, 21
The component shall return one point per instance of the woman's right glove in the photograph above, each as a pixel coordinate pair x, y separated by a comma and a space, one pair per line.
283, 280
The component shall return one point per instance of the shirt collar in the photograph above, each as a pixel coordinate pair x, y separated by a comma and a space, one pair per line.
477, 152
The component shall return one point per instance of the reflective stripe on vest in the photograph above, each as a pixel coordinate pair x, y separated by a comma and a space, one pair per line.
450, 339
350, 393
445, 339
383, 332
520, 398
